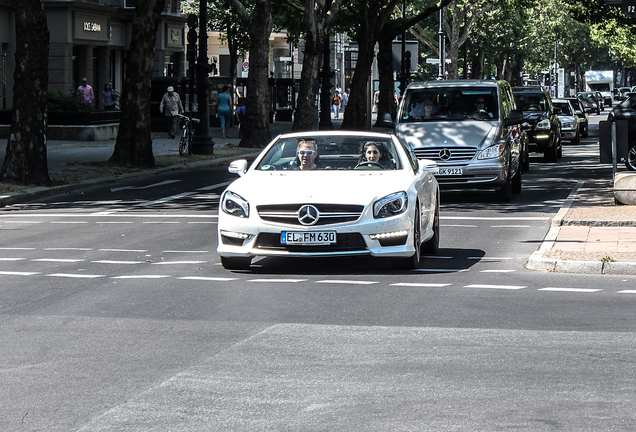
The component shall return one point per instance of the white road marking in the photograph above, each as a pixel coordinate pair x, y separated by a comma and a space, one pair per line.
497, 271
20, 222
161, 222
16, 273
117, 262
206, 278
62, 260
415, 284
123, 250
16, 248
581, 290
505, 287
441, 270
67, 249
348, 282
509, 226
498, 218
163, 183
79, 276
163, 200
142, 277
68, 222
185, 251
277, 280
458, 226
216, 186
12, 259
627, 292
180, 262
114, 222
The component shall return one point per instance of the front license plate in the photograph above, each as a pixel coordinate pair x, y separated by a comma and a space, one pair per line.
450, 171
309, 238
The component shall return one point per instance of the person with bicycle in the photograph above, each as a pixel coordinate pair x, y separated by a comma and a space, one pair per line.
171, 106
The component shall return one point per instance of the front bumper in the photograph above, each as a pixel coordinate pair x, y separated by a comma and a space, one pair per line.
263, 239
486, 174
538, 140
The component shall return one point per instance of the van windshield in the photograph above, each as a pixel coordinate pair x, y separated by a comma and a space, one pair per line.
450, 104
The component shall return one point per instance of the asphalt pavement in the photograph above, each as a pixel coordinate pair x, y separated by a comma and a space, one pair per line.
590, 234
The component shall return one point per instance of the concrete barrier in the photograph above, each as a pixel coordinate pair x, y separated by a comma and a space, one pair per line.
625, 188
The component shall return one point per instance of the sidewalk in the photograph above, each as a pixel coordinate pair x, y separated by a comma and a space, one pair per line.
590, 234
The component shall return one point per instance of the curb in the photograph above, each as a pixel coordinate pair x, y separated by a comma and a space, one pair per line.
39, 192
538, 261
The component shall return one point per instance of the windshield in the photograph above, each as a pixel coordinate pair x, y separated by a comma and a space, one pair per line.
447, 104
590, 97
336, 152
531, 101
565, 107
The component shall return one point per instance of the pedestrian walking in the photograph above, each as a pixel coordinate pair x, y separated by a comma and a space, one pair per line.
110, 96
171, 107
335, 103
85, 92
345, 99
225, 111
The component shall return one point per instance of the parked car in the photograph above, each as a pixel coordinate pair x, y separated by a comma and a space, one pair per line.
579, 111
344, 206
620, 93
541, 121
626, 110
590, 102
601, 100
471, 129
569, 121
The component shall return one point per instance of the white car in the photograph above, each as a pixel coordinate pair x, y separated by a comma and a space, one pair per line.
341, 207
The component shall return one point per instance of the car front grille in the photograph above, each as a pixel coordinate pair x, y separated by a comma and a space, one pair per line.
329, 214
345, 242
446, 154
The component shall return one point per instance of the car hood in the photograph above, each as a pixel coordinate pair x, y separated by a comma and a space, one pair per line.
345, 187
478, 134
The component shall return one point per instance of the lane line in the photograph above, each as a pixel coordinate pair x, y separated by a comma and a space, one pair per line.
12, 259
208, 278
163, 183
17, 273
67, 249
123, 250
627, 292
16, 248
418, 284
346, 282
216, 186
504, 287
117, 262
497, 271
78, 276
62, 260
185, 251
180, 262
141, 277
581, 290
278, 280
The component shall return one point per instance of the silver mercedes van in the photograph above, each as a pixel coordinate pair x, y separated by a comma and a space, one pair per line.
471, 129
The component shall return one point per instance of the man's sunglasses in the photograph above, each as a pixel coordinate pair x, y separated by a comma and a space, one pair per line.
305, 152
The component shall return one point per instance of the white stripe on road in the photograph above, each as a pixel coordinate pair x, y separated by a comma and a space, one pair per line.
425, 285
16, 273
16, 248
141, 277
216, 186
81, 276
62, 260
347, 282
504, 287
163, 183
12, 259
277, 280
117, 262
123, 250
180, 262
67, 249
497, 271
206, 278
582, 290
627, 292
185, 251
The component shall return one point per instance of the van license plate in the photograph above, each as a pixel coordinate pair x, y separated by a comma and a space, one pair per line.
450, 171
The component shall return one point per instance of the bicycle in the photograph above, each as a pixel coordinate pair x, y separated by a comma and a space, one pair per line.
186, 137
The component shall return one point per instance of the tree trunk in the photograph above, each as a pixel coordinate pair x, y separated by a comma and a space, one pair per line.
386, 100
134, 143
25, 157
256, 132
309, 79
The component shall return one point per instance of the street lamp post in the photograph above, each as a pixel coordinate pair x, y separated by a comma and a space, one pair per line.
202, 142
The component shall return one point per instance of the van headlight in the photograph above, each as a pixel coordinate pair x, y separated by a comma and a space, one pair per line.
390, 205
235, 205
494, 151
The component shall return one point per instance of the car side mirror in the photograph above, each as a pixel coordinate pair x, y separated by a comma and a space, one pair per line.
578, 112
238, 167
515, 117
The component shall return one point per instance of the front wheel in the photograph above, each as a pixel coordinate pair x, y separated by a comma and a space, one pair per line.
236, 263
630, 161
413, 261
184, 142
504, 194
431, 246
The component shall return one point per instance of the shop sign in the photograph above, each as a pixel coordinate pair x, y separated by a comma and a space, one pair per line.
88, 27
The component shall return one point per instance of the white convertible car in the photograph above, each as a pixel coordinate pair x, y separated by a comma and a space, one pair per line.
330, 194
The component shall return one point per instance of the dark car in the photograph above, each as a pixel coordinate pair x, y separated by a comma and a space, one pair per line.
590, 102
626, 110
579, 110
541, 121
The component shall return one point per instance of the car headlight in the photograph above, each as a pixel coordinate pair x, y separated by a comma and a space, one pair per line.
390, 205
492, 152
543, 124
235, 205
567, 124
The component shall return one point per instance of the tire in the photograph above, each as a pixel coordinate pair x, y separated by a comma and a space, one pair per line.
413, 261
526, 161
559, 147
516, 183
577, 138
431, 246
504, 193
551, 154
630, 160
586, 131
184, 143
236, 263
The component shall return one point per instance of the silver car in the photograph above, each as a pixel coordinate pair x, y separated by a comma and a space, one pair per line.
470, 128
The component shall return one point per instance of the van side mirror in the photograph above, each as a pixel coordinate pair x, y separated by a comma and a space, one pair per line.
515, 117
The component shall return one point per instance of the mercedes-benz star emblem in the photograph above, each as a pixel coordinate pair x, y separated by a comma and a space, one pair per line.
308, 215
445, 154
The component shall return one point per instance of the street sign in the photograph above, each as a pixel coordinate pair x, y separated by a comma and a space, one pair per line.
246, 66
629, 8
432, 61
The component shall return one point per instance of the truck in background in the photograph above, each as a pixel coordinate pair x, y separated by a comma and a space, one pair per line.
601, 81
